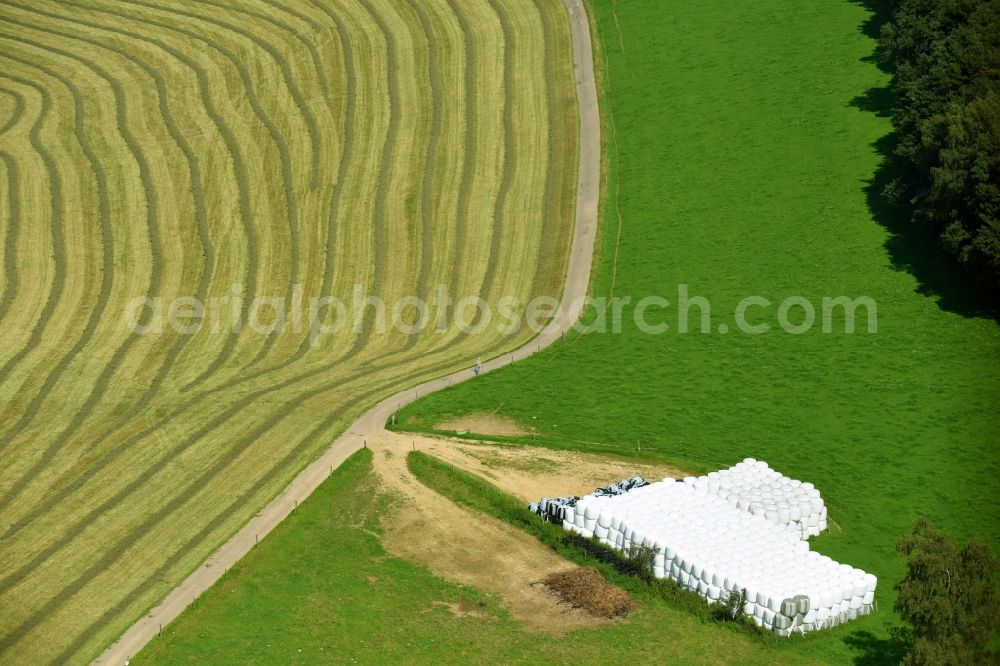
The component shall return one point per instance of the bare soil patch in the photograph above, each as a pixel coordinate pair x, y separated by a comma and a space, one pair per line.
485, 424
532, 472
465, 609
467, 547
472, 549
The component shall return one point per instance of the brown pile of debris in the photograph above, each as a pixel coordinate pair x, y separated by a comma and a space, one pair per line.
587, 589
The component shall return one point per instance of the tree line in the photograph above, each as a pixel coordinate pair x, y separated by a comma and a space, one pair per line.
944, 56
949, 599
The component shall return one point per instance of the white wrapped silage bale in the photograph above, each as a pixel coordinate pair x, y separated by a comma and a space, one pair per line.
753, 486
706, 545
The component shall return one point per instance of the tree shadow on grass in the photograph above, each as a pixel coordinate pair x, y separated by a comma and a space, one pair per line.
881, 12
913, 247
874, 651
916, 248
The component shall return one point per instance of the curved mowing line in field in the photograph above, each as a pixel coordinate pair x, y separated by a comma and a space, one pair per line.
8, 580
463, 204
107, 243
197, 178
106, 237
346, 155
10, 284
427, 191
510, 150
101, 384
236, 155
295, 243
22, 522
347, 142
141, 161
113, 554
382, 242
316, 26
347, 149
382, 168
554, 190
67, 489
321, 71
18, 111
56, 213
150, 392
302, 16
12, 578
209, 109
297, 36
220, 359
384, 175
471, 145
279, 140
385, 164
422, 50
291, 198
64, 491
279, 59
11, 275
214, 524
276, 135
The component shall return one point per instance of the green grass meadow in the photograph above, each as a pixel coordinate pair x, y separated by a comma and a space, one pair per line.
748, 137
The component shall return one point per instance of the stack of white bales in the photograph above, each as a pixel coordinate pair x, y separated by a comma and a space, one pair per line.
712, 548
753, 486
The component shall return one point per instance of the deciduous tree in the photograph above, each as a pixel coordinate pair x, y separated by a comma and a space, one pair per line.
948, 598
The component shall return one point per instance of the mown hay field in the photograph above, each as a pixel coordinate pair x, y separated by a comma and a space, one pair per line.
199, 149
